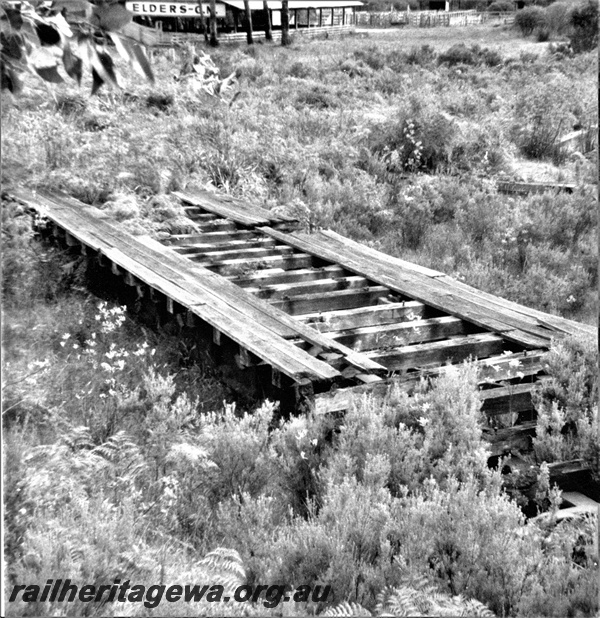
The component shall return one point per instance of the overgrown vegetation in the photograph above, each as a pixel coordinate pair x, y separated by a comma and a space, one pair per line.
396, 146
121, 459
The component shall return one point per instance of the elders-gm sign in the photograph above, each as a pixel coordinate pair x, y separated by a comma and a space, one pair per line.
172, 9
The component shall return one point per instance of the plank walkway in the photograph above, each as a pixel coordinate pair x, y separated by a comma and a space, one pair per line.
321, 309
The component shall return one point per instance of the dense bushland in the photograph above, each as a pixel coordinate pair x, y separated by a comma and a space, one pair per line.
395, 146
121, 458
122, 462
112, 470
577, 21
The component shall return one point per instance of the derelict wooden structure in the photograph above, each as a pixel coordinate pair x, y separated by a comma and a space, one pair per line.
316, 318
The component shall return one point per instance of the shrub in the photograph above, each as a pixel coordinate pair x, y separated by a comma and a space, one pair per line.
530, 18
458, 54
372, 57
501, 6
420, 56
317, 97
300, 70
542, 34
567, 404
584, 22
558, 17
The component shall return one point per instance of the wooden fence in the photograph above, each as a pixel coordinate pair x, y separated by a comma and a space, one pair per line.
429, 19
174, 39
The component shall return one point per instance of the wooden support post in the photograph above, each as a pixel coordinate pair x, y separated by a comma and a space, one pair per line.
101, 259
114, 269
130, 279
190, 319
216, 336
170, 307
305, 396
275, 377
243, 358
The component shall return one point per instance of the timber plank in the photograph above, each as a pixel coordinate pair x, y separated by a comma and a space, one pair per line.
278, 275
185, 290
547, 320
279, 290
218, 225
460, 297
244, 265
220, 255
226, 206
209, 237
225, 295
511, 366
438, 291
508, 439
239, 299
375, 315
454, 350
204, 248
340, 299
394, 335
504, 399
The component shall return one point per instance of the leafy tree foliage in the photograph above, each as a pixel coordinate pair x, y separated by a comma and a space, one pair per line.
70, 35
584, 21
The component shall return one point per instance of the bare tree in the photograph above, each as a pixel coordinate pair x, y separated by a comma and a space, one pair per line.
249, 36
268, 33
213, 24
285, 23
203, 20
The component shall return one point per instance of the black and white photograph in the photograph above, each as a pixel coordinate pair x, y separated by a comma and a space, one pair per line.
300, 308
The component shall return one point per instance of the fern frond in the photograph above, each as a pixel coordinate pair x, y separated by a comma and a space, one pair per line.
222, 560
347, 609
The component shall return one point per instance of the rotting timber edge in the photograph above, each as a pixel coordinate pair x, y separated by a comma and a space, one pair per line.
328, 318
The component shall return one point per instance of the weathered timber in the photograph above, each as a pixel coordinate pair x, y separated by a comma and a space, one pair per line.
237, 211
229, 297
514, 398
510, 439
394, 335
340, 399
203, 248
555, 324
218, 225
375, 315
526, 188
249, 302
341, 299
512, 366
275, 276
220, 255
171, 275
334, 295
454, 349
197, 214
583, 140
515, 322
220, 236
245, 265
280, 290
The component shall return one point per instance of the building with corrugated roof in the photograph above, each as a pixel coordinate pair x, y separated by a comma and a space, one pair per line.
191, 17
